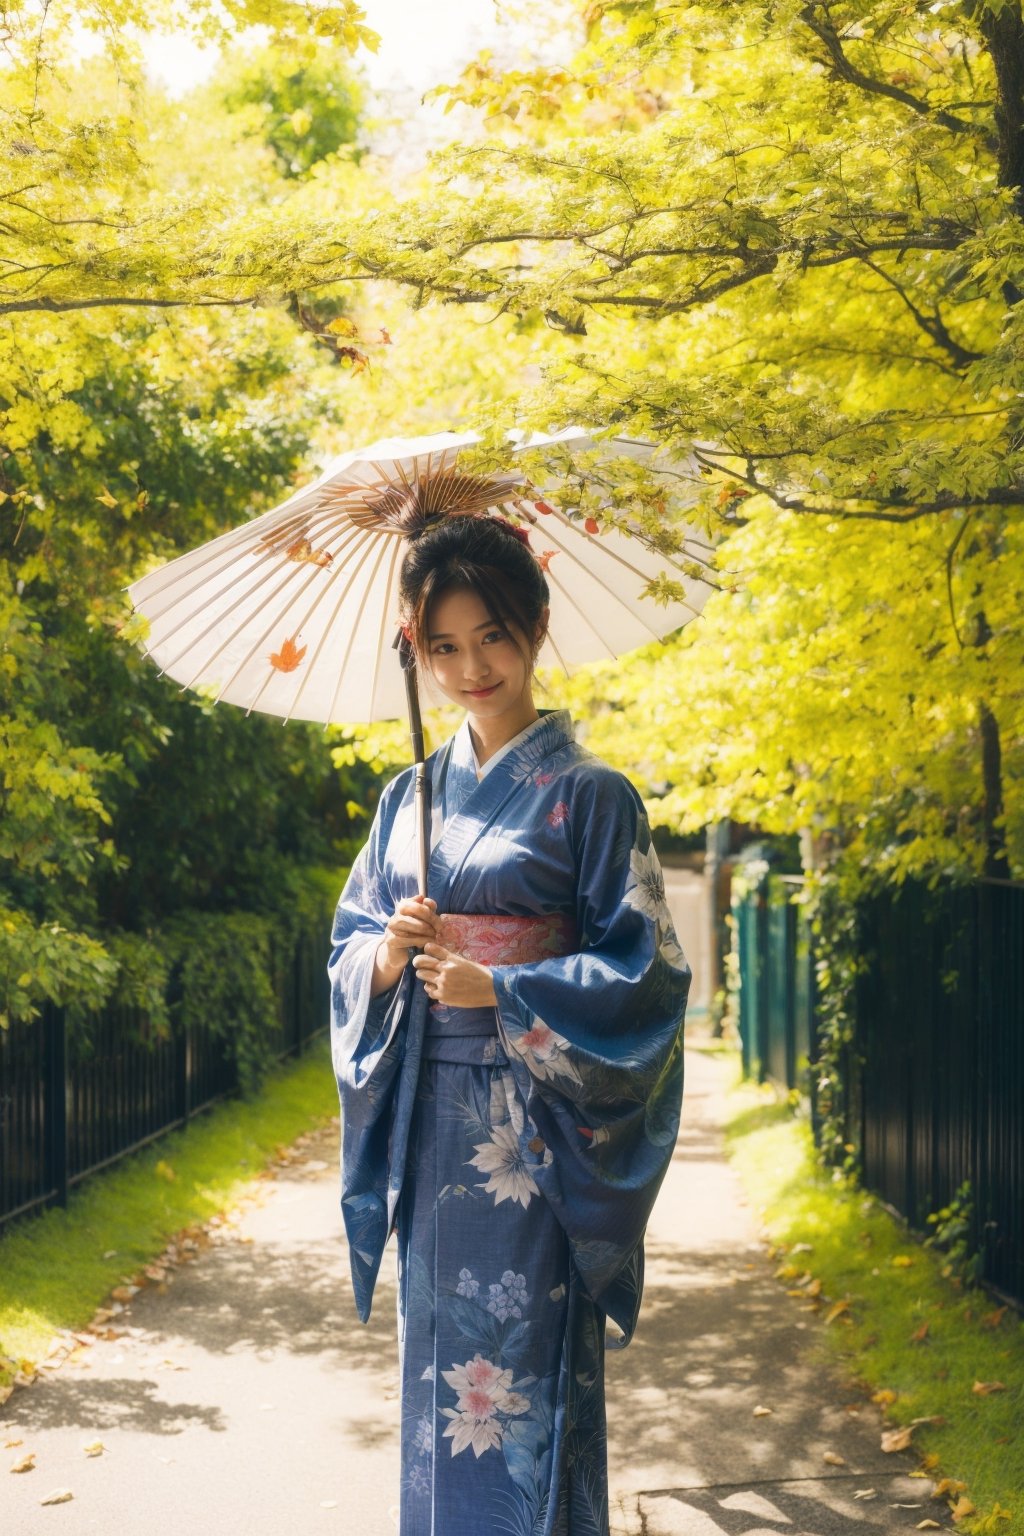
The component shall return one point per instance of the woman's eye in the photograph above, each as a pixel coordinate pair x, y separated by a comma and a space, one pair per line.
442, 648
494, 634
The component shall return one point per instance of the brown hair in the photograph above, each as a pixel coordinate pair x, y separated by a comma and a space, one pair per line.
473, 554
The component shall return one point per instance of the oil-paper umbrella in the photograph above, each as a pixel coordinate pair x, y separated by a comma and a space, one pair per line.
296, 613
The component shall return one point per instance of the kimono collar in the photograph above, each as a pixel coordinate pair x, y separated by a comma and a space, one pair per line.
464, 756
471, 805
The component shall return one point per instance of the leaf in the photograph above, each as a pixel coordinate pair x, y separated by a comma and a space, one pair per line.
986, 1388
902, 1261
834, 1459
25, 1463
288, 657
94, 1448
836, 1310
962, 1508
897, 1439
58, 1496
760, 1412
994, 1319
920, 1334
927, 1525
106, 498
163, 1170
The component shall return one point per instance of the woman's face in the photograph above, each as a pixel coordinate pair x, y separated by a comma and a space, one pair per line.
474, 660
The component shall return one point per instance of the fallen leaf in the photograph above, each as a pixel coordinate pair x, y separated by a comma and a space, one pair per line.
833, 1459
902, 1261
94, 1448
927, 1525
884, 1397
866, 1493
58, 1496
328, 1503
948, 1485
124, 1292
10, 1444
919, 1334
106, 498
163, 1170
760, 1413
985, 1388
962, 1508
836, 1310
897, 1439
993, 1319
25, 1463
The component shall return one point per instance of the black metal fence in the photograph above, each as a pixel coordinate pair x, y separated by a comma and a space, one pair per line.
74, 1101
934, 1076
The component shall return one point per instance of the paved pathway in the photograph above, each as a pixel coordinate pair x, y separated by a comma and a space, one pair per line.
241, 1394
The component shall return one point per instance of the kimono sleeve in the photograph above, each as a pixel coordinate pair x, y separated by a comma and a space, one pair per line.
363, 1027
595, 1042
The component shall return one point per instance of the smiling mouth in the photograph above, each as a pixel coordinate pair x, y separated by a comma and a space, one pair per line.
481, 693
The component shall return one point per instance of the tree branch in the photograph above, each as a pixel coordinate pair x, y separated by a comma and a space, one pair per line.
842, 67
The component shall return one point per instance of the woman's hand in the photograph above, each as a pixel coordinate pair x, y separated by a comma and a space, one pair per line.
413, 922
452, 980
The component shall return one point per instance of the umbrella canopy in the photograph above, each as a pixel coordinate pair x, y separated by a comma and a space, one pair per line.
293, 613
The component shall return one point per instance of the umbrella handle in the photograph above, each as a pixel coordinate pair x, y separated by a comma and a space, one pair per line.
421, 781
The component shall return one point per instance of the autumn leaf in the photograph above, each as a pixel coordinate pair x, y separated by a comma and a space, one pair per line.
25, 1463
760, 1413
897, 1439
58, 1496
993, 1319
833, 1459
342, 326
106, 498
920, 1334
962, 1508
986, 1388
288, 657
902, 1261
94, 1448
948, 1485
163, 1170
927, 1525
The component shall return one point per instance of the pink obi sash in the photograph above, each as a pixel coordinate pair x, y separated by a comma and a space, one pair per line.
470, 1034
498, 940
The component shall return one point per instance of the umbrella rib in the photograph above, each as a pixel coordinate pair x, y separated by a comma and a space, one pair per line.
588, 622
380, 638
178, 595
355, 630
367, 536
621, 560
638, 618
371, 538
225, 613
212, 655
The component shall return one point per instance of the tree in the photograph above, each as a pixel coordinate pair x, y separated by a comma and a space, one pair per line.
124, 437
789, 236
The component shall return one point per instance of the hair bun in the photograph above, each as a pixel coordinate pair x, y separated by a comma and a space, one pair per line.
517, 533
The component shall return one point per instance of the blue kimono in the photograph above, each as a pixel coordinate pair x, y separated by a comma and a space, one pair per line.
516, 1151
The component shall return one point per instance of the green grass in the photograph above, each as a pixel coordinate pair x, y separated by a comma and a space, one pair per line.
54, 1272
893, 1286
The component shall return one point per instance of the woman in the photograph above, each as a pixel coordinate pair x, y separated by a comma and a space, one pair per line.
509, 1059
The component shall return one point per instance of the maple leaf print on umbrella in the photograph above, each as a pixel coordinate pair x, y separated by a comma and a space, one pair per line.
288, 657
